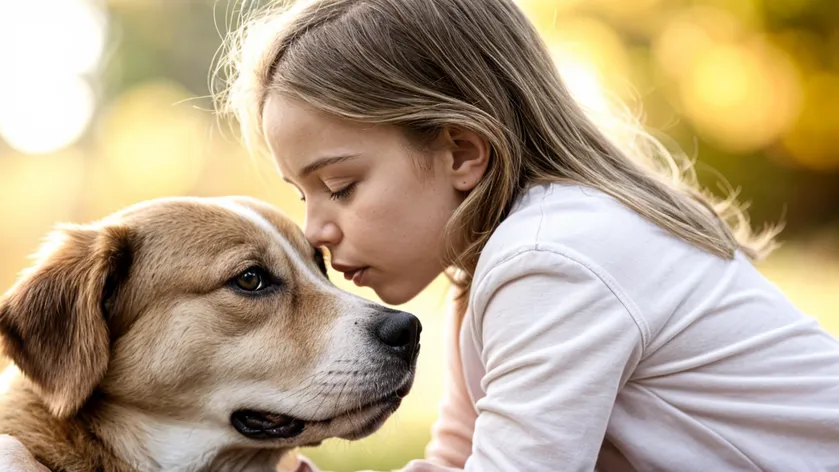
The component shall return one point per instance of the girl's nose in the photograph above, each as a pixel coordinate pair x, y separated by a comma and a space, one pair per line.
322, 233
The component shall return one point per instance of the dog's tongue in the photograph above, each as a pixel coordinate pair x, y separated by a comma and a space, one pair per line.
276, 419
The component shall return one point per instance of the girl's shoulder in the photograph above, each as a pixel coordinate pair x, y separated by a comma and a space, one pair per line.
583, 222
556, 224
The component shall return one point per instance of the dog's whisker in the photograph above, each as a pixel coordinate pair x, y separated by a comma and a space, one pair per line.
323, 398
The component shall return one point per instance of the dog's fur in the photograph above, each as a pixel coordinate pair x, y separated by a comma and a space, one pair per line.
136, 347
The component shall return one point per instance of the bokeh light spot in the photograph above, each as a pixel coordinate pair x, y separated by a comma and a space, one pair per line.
45, 113
742, 96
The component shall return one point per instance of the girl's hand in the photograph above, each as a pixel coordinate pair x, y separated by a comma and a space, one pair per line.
14, 457
294, 462
425, 466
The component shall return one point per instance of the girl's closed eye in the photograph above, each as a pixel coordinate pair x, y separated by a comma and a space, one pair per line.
343, 193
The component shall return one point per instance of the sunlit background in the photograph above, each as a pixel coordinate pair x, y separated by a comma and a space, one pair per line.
104, 103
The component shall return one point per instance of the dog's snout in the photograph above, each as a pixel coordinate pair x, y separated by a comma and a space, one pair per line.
400, 331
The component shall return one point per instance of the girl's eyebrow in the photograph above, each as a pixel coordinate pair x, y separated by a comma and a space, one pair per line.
323, 162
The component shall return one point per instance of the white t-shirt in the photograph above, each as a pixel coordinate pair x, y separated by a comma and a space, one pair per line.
594, 337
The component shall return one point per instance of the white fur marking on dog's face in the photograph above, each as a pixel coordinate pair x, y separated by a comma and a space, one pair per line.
260, 221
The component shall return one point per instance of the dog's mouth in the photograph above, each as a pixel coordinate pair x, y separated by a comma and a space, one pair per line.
264, 425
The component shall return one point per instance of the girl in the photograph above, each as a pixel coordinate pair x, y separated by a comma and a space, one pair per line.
607, 312
614, 318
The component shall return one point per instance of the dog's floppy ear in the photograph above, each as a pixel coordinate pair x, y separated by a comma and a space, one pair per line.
52, 321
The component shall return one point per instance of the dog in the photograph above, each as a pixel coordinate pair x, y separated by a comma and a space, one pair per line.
187, 334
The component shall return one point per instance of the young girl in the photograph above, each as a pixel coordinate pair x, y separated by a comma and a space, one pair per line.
614, 318
608, 313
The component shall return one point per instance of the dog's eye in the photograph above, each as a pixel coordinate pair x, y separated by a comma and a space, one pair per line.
252, 280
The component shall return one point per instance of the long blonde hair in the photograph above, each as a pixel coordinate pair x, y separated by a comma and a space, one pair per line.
424, 65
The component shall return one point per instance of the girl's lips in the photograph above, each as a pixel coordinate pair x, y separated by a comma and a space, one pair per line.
356, 275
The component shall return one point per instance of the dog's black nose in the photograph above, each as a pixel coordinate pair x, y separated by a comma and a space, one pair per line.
400, 331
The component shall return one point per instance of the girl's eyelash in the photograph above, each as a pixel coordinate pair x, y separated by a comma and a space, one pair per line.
343, 193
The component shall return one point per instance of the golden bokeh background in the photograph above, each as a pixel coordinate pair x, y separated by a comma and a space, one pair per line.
104, 103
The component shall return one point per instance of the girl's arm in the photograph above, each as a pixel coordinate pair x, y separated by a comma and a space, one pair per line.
558, 338
451, 434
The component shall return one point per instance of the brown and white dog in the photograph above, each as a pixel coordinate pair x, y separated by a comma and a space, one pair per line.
191, 334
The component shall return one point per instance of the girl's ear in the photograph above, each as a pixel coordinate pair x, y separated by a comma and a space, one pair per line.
470, 154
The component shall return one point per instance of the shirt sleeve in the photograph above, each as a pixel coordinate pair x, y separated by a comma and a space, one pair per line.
451, 434
558, 339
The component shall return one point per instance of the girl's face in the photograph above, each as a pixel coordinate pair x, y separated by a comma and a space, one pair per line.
379, 213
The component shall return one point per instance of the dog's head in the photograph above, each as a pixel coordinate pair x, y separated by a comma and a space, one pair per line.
214, 314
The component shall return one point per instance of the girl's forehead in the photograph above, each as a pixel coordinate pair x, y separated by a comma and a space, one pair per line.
290, 121
303, 139
295, 132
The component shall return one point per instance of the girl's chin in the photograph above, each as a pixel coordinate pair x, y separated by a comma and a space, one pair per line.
393, 297
392, 292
